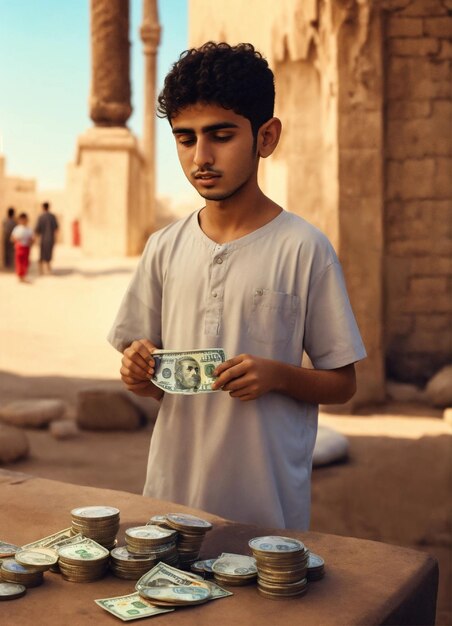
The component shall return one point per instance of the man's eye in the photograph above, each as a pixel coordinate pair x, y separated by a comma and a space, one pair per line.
222, 138
186, 141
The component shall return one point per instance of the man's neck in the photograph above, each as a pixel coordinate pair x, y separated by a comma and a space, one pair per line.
227, 220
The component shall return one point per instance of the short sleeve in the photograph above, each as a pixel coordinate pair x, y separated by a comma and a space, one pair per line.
139, 315
332, 338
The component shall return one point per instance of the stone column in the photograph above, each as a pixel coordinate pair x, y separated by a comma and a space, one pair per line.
108, 179
110, 61
150, 35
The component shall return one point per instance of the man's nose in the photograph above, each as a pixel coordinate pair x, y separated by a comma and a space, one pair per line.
203, 153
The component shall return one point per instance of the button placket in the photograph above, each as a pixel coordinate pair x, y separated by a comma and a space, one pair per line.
214, 307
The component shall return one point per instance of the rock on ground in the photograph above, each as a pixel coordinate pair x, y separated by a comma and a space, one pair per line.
402, 392
63, 429
34, 413
439, 388
13, 444
330, 446
99, 409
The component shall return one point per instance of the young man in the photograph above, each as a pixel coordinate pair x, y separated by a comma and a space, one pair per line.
255, 280
46, 229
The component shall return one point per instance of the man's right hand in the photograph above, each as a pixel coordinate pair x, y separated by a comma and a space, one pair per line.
137, 367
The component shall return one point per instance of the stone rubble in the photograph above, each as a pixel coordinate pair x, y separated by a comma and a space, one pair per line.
99, 409
13, 444
33, 413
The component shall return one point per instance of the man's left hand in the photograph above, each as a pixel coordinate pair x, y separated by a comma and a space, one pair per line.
246, 377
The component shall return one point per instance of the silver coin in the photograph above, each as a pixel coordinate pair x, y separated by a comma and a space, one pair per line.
149, 532
204, 566
185, 519
315, 560
95, 511
276, 544
9, 591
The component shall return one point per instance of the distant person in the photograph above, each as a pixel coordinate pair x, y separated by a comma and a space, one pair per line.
46, 228
23, 238
9, 223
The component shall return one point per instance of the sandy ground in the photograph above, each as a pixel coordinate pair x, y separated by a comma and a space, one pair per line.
396, 486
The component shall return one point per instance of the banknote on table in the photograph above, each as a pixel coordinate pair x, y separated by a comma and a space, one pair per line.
163, 574
47, 542
130, 607
186, 372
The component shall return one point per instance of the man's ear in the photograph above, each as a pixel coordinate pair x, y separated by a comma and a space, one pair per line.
268, 137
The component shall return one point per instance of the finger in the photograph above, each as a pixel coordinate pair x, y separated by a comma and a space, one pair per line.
144, 348
132, 380
144, 362
226, 365
246, 397
232, 373
137, 370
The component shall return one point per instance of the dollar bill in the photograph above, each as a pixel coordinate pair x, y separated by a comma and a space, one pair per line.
85, 550
164, 575
130, 607
186, 372
59, 543
47, 542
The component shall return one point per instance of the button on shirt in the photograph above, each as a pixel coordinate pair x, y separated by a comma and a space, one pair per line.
273, 293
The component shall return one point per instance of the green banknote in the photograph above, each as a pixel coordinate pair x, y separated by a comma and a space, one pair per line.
47, 542
186, 372
130, 607
163, 574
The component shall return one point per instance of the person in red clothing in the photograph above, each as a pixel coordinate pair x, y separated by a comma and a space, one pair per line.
23, 238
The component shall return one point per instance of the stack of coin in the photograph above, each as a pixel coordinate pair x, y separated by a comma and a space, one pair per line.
235, 569
191, 531
124, 564
281, 566
176, 595
40, 559
100, 523
83, 562
13, 572
154, 542
316, 567
10, 591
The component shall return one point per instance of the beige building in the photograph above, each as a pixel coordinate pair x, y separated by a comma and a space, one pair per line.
17, 192
364, 93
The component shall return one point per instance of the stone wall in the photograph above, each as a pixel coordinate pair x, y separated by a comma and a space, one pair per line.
418, 190
326, 58
364, 92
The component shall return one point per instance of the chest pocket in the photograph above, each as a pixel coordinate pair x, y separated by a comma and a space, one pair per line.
273, 316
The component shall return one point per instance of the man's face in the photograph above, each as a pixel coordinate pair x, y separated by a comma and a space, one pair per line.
216, 150
189, 374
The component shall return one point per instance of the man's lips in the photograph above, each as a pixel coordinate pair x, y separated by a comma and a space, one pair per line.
206, 175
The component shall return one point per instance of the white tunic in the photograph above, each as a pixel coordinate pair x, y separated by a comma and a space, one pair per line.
273, 293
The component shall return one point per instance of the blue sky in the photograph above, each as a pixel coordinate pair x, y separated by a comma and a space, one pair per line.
44, 85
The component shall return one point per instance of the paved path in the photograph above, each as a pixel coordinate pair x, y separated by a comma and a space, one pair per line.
57, 324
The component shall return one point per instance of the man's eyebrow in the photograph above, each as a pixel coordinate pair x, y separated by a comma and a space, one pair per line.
205, 129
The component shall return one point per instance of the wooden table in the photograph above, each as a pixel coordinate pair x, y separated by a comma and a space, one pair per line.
366, 582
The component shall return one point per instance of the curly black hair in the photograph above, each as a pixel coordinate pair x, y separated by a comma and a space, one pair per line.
234, 77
